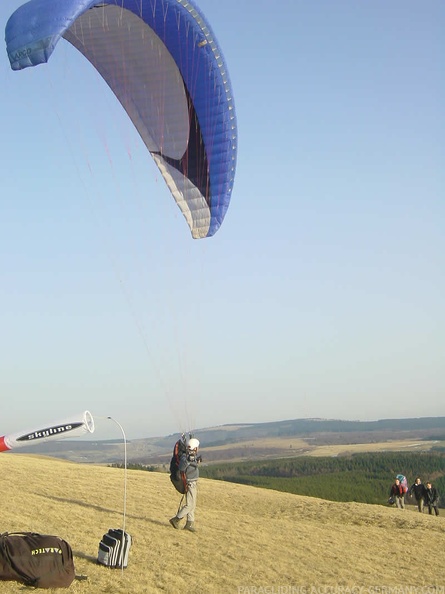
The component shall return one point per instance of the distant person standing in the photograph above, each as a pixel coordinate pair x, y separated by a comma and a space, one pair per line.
398, 494
432, 499
418, 490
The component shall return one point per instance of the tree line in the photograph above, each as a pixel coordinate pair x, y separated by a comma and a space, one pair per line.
365, 478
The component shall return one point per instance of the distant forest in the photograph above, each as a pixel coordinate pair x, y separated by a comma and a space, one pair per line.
364, 478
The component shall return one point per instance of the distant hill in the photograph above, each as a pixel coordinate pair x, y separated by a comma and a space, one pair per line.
262, 440
301, 427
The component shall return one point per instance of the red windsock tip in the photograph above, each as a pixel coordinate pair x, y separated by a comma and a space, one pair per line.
3, 446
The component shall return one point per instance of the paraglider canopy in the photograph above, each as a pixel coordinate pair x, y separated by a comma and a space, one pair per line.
162, 61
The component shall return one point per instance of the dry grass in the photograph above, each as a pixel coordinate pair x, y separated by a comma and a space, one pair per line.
290, 447
246, 536
273, 443
408, 445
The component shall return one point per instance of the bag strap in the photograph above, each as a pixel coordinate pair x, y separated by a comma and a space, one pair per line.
180, 503
20, 534
184, 481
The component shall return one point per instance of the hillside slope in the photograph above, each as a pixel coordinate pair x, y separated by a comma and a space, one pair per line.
278, 439
246, 536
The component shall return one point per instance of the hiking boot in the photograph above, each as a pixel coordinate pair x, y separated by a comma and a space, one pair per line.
175, 522
189, 526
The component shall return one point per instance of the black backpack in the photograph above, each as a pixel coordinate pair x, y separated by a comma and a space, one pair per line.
178, 478
38, 560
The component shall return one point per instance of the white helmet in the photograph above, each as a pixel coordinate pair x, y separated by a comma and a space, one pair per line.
192, 443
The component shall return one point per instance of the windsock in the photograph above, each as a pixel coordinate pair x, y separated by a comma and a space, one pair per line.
59, 430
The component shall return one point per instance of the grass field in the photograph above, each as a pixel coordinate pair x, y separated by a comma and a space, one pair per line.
281, 447
384, 446
247, 537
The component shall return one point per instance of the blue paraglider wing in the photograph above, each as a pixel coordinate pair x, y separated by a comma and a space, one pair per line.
162, 61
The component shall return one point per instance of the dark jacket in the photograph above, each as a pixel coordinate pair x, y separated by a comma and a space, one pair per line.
396, 490
418, 490
431, 496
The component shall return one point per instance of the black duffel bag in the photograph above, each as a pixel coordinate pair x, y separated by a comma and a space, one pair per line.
38, 560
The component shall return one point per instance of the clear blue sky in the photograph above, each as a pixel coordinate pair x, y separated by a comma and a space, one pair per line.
322, 295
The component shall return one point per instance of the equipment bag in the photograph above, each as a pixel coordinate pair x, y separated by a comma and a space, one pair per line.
403, 481
114, 549
37, 560
178, 478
